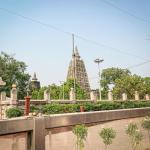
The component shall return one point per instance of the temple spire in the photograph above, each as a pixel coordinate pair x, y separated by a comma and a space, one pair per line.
76, 52
34, 77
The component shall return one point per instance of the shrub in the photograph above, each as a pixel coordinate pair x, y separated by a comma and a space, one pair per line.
14, 112
135, 135
34, 108
60, 108
107, 134
88, 106
131, 129
146, 125
81, 132
55, 108
137, 138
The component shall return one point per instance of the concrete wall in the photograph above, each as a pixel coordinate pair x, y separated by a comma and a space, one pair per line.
37, 127
66, 140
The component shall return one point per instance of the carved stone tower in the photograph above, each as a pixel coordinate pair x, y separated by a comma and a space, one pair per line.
35, 84
77, 70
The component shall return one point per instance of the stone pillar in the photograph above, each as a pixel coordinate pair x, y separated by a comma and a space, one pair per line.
15, 142
4, 111
47, 96
110, 96
27, 105
72, 94
38, 131
2, 83
137, 95
13, 95
124, 96
93, 96
3, 96
147, 97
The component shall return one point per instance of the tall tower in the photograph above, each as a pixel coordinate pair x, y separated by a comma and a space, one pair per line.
78, 72
34, 84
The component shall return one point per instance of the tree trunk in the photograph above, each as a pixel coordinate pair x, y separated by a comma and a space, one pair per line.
105, 147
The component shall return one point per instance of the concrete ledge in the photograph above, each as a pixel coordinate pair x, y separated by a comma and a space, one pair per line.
16, 125
63, 120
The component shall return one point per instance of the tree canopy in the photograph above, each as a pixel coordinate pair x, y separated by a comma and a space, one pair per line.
80, 93
13, 71
109, 77
56, 92
123, 81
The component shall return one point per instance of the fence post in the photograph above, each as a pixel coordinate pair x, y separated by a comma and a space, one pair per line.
27, 105
38, 135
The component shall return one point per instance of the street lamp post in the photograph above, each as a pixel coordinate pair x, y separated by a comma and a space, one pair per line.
98, 61
62, 82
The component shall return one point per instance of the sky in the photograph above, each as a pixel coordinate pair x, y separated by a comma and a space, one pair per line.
116, 31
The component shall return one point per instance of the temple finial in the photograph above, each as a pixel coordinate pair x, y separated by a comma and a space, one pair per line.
77, 52
34, 77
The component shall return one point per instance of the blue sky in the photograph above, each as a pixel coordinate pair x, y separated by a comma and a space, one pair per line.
48, 52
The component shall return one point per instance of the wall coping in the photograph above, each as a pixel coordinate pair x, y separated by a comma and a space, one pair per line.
25, 124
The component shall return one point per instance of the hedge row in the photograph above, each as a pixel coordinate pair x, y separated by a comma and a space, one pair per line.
55, 108
70, 108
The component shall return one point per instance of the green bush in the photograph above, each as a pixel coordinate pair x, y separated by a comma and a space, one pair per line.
60, 108
14, 112
135, 135
56, 108
34, 108
81, 132
107, 134
146, 125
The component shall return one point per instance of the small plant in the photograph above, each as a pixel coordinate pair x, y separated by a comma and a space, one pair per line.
14, 112
146, 125
135, 135
107, 134
137, 138
81, 132
131, 129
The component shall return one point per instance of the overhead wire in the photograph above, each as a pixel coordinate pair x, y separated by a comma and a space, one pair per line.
125, 11
69, 33
137, 65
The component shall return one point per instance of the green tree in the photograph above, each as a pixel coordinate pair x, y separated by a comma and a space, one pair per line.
80, 93
109, 77
54, 91
146, 85
107, 134
128, 84
13, 71
81, 132
38, 94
